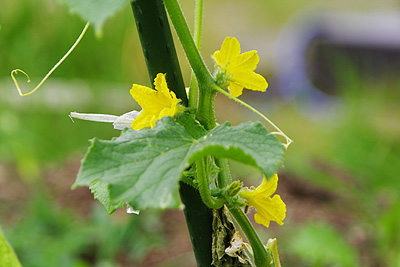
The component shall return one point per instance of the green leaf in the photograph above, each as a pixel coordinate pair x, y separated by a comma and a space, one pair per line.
101, 192
191, 125
143, 167
7, 255
95, 11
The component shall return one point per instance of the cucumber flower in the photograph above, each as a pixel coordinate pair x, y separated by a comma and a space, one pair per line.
155, 103
268, 208
238, 69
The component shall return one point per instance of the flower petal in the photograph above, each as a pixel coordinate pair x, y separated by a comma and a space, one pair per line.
268, 187
125, 120
160, 83
144, 96
155, 103
235, 89
142, 121
246, 62
250, 80
270, 210
238, 68
230, 48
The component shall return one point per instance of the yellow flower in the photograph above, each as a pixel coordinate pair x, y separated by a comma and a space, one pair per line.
155, 103
239, 68
268, 209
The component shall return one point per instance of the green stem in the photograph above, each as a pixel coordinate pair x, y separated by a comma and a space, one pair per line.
198, 23
196, 62
205, 111
224, 176
261, 256
204, 186
198, 26
272, 247
193, 91
280, 132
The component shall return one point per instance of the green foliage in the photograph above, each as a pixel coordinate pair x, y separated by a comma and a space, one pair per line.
143, 167
389, 233
27, 142
7, 255
101, 192
95, 11
321, 245
50, 236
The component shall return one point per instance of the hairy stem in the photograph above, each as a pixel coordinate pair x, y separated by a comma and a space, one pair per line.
272, 247
196, 62
198, 26
224, 176
204, 186
261, 256
205, 111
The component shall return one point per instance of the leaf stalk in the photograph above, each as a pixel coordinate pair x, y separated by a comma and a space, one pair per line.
261, 255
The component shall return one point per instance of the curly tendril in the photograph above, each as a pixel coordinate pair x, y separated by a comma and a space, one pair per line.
279, 131
15, 72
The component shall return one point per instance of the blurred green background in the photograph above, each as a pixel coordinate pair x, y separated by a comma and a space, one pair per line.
340, 180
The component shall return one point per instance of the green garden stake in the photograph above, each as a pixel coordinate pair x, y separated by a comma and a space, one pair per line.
159, 50
157, 44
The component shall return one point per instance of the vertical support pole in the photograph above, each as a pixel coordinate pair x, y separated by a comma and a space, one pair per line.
159, 51
157, 44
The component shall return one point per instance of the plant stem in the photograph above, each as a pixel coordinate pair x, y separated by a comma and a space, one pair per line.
198, 26
205, 113
205, 110
204, 187
272, 247
261, 256
196, 62
224, 176
198, 23
193, 91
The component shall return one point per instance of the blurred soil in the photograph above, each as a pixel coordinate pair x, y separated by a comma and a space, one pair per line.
305, 202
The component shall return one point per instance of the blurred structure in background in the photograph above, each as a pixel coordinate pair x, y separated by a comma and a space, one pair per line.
312, 44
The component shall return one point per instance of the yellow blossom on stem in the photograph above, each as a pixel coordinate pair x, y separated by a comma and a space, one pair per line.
239, 68
268, 208
155, 103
